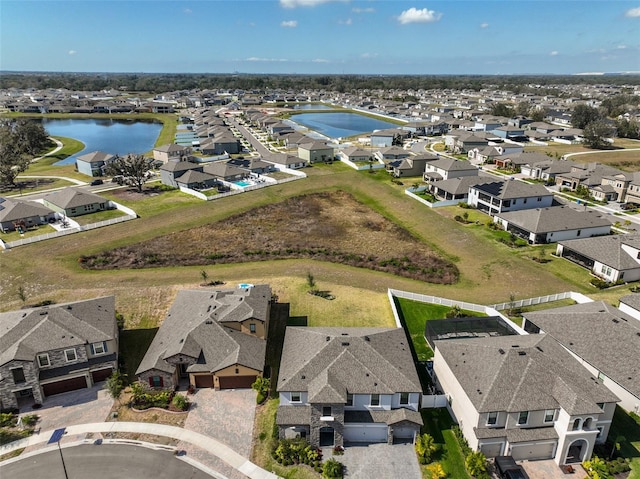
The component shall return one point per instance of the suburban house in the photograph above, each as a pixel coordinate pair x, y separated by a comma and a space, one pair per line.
508, 195
630, 304
225, 171
253, 164
76, 202
586, 174
553, 224
288, 161
524, 396
218, 145
389, 153
23, 214
94, 163
604, 339
171, 171
545, 168
341, 385
448, 168
633, 192
54, 349
612, 258
356, 154
411, 166
171, 152
317, 151
197, 180
456, 188
212, 339
388, 137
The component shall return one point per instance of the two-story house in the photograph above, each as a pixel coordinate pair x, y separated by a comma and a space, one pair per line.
509, 195
341, 385
55, 349
448, 168
524, 396
170, 152
213, 339
94, 163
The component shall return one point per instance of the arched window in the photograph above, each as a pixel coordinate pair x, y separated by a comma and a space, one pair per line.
587, 423
576, 424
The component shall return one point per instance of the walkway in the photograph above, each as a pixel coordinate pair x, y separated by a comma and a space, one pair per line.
52, 152
209, 444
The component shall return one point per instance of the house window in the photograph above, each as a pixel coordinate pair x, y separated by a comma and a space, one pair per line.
606, 270
600, 430
539, 198
600, 405
252, 327
375, 400
98, 348
404, 398
576, 424
156, 381
578, 232
70, 355
18, 375
296, 397
237, 371
601, 376
549, 414
492, 418
43, 360
524, 201
326, 411
349, 399
523, 418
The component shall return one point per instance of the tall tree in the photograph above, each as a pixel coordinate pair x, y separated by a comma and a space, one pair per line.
134, 168
583, 114
596, 134
19, 142
502, 109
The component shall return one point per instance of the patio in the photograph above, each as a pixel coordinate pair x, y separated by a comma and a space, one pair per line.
548, 469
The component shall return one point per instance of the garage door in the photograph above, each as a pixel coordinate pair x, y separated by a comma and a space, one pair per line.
492, 450
204, 381
405, 432
101, 375
64, 386
532, 451
236, 382
365, 432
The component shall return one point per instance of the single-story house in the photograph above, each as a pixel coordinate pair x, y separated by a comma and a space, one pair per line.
553, 224
604, 339
288, 161
25, 214
225, 171
348, 385
456, 188
197, 180
356, 154
54, 349
612, 258
94, 163
253, 164
630, 304
523, 396
212, 339
76, 202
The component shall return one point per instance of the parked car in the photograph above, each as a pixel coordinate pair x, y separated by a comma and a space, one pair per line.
507, 468
96, 182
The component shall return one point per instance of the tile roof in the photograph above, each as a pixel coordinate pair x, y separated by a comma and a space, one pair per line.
522, 373
194, 327
328, 362
554, 218
26, 332
602, 335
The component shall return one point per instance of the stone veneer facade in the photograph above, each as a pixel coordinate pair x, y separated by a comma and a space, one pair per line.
337, 412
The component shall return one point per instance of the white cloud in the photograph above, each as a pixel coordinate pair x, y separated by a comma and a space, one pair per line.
413, 15
289, 24
320, 60
621, 47
348, 21
258, 59
72, 52
305, 3
553, 53
368, 55
632, 12
484, 25
187, 11
363, 10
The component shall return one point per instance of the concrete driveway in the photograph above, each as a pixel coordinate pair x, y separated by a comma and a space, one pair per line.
378, 460
225, 415
548, 469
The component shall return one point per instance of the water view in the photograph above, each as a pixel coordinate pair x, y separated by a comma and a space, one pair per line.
311, 106
111, 136
340, 125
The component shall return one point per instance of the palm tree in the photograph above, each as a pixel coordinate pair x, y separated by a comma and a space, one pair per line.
476, 463
425, 448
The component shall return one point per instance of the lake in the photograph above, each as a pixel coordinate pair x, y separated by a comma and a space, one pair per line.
118, 137
310, 106
340, 125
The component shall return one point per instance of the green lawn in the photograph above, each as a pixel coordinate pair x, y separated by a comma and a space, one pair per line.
438, 423
629, 427
35, 231
98, 216
133, 346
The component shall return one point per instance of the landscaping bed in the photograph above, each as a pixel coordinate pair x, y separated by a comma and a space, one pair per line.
325, 226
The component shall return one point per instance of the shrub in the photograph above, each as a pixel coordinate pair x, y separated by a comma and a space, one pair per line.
425, 448
476, 464
180, 402
7, 420
262, 386
332, 469
295, 451
30, 420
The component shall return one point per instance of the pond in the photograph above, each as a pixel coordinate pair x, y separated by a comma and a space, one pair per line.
311, 106
118, 137
340, 125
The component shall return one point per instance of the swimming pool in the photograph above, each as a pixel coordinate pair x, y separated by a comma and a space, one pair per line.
242, 183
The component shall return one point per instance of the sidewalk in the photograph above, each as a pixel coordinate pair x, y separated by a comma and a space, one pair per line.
209, 444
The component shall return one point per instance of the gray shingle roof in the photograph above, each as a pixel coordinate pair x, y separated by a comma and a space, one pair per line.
555, 218
293, 415
194, 326
73, 198
12, 210
392, 416
632, 300
607, 250
522, 373
27, 332
510, 189
459, 186
328, 362
602, 335
96, 157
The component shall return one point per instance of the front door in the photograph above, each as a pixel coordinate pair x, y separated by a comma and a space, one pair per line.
326, 437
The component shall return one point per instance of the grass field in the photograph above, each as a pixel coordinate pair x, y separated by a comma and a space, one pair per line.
438, 423
629, 428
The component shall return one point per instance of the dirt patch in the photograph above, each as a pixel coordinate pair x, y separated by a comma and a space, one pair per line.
326, 226
132, 194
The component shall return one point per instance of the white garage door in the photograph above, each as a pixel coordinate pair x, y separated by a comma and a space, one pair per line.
492, 449
406, 432
533, 451
365, 432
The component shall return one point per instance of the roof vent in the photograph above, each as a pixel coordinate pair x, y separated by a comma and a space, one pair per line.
366, 338
521, 353
345, 334
69, 307
43, 313
345, 344
539, 349
181, 340
328, 338
208, 321
515, 345
615, 320
303, 377
501, 351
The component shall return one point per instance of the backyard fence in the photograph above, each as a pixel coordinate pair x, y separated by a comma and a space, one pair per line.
410, 193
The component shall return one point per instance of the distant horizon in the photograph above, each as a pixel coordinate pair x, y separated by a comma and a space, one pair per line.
322, 37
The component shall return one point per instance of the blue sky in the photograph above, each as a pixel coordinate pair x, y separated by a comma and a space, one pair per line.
321, 36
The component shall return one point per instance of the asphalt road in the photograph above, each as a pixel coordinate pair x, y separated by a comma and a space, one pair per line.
102, 462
